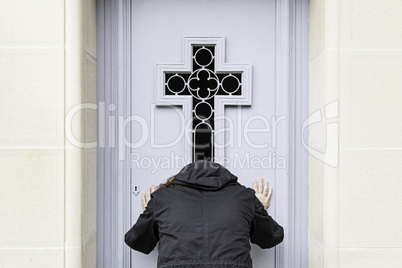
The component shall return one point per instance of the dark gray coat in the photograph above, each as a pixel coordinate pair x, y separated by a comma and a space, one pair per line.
205, 219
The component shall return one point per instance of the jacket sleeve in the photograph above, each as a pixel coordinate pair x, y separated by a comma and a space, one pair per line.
144, 236
265, 231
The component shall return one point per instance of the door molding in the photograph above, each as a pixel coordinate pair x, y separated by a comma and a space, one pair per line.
114, 39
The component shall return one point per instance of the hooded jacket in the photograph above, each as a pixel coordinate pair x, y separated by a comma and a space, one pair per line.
204, 219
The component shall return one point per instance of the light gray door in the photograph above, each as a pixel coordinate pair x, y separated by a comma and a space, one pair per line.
174, 43
147, 92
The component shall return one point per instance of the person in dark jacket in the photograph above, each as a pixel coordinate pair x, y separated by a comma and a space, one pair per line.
203, 217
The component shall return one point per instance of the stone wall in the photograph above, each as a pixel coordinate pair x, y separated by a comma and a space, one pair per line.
47, 185
355, 206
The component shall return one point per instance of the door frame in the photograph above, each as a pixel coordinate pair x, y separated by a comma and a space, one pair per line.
113, 87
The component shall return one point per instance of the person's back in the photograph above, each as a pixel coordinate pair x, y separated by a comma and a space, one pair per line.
204, 219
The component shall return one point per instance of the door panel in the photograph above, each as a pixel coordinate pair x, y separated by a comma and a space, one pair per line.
158, 30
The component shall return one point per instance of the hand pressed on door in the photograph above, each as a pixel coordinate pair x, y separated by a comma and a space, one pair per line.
146, 200
262, 193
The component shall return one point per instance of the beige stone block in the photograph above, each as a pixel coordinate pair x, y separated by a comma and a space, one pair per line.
74, 97
332, 27
90, 252
75, 125
32, 258
90, 27
73, 257
31, 198
89, 78
371, 24
32, 104
316, 72
315, 103
90, 129
371, 99
370, 258
316, 28
74, 179
73, 225
314, 252
331, 76
73, 206
370, 214
316, 197
74, 26
89, 201
26, 23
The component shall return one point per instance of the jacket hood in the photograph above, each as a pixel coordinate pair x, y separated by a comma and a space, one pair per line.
205, 175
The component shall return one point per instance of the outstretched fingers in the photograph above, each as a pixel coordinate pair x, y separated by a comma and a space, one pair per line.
255, 186
148, 194
265, 188
269, 194
260, 188
147, 197
144, 202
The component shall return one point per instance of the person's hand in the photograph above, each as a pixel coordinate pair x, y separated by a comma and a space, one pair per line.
262, 193
148, 197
